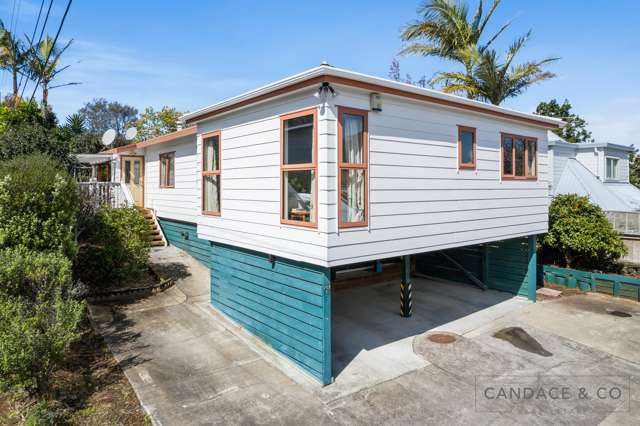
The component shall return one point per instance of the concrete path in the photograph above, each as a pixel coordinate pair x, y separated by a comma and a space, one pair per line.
190, 366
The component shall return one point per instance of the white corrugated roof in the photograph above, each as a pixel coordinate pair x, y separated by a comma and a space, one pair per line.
577, 179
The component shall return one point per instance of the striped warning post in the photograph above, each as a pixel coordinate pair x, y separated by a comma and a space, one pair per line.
406, 303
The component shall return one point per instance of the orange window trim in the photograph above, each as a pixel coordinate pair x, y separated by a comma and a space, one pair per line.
364, 166
313, 166
164, 163
513, 176
472, 164
216, 172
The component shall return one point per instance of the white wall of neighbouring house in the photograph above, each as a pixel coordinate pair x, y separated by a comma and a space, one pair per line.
182, 202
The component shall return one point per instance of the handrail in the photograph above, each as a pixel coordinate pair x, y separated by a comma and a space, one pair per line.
106, 193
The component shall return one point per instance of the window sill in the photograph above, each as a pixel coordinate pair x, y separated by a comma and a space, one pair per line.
204, 213
297, 223
529, 178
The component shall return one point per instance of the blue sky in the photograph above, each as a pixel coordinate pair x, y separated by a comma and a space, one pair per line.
193, 53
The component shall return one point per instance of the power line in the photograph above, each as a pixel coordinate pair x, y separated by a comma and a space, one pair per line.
44, 25
33, 36
55, 40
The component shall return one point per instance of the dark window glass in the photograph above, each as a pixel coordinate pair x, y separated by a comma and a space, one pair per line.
507, 155
466, 147
298, 140
531, 158
520, 147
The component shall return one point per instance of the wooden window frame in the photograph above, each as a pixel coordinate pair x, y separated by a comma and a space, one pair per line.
162, 158
526, 139
218, 172
354, 166
313, 166
472, 164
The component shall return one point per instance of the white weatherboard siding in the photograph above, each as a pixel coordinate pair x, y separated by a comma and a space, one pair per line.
590, 158
250, 168
419, 200
183, 201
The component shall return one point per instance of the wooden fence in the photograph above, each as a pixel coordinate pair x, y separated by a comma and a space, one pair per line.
612, 284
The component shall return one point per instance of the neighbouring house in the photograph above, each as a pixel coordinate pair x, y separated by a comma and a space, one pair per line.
600, 171
283, 190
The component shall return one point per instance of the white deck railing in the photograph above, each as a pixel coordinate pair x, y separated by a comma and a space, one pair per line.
113, 194
626, 223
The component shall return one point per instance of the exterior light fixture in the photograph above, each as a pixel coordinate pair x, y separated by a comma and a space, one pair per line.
376, 102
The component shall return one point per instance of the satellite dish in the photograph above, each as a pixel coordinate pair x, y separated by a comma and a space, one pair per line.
108, 137
130, 133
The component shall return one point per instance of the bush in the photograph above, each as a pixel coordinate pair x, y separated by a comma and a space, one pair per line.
114, 247
38, 205
38, 318
580, 236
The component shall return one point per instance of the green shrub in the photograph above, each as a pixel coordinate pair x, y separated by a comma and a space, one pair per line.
38, 205
580, 236
46, 413
38, 318
114, 248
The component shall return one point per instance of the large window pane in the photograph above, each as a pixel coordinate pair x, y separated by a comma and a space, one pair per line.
299, 195
163, 171
519, 147
466, 147
507, 156
298, 140
136, 172
211, 154
612, 168
352, 199
211, 193
531, 158
352, 139
172, 170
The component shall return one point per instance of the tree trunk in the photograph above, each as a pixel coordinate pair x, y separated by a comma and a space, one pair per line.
45, 95
14, 73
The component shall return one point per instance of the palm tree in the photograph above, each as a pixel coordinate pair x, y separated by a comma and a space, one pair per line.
492, 80
13, 57
44, 65
446, 32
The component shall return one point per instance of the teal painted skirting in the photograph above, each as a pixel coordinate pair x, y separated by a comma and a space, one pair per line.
184, 236
507, 265
285, 303
612, 284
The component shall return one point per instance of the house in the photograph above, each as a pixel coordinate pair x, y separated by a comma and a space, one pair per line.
600, 171
283, 188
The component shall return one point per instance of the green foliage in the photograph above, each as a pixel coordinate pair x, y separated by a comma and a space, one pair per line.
38, 205
153, 123
115, 247
445, 30
26, 113
38, 318
575, 131
46, 413
580, 236
634, 168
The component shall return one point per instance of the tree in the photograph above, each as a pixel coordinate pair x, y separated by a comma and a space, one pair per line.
101, 115
44, 65
445, 31
580, 236
575, 130
493, 80
13, 58
74, 131
634, 168
153, 123
394, 74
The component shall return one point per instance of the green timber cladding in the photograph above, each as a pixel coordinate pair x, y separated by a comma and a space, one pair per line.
286, 303
502, 265
184, 235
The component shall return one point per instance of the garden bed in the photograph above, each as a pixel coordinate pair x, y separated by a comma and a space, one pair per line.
89, 389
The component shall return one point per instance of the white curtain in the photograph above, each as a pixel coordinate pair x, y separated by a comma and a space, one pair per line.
211, 189
353, 179
211, 154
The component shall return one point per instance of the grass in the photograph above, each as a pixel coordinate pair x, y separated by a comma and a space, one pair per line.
89, 389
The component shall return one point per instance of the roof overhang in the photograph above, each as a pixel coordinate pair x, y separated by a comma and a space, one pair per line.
189, 131
93, 158
326, 73
592, 145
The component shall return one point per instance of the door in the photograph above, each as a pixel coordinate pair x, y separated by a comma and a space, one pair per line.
132, 174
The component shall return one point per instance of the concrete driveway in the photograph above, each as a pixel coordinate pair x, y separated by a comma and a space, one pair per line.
189, 365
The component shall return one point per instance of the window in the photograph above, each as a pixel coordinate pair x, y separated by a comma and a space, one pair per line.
612, 168
211, 173
352, 171
299, 168
167, 169
466, 147
519, 157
